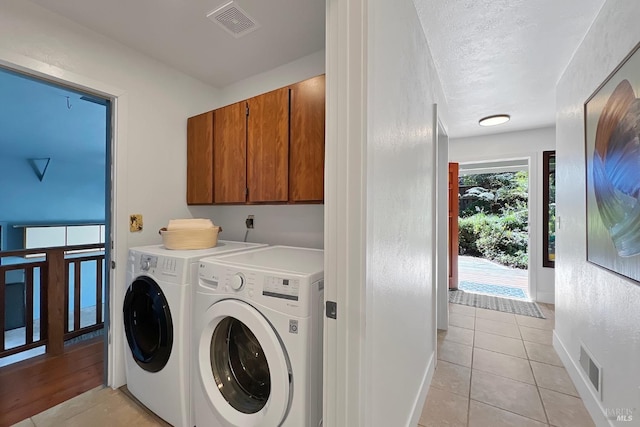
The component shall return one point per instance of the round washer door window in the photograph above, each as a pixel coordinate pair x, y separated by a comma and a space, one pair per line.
147, 324
239, 366
244, 368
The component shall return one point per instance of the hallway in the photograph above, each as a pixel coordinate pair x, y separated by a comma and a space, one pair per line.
499, 370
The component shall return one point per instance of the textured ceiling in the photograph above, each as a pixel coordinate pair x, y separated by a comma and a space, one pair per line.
503, 56
493, 56
178, 33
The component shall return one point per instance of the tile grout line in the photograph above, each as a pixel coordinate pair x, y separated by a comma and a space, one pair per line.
544, 408
509, 411
521, 339
473, 346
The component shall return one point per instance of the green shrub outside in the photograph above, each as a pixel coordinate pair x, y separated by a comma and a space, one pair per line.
495, 224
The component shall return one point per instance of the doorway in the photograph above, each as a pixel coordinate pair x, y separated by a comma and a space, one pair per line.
493, 250
57, 146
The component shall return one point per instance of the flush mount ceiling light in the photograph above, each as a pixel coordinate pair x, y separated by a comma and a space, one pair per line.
498, 119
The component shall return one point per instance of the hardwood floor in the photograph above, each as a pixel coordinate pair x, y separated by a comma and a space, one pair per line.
34, 385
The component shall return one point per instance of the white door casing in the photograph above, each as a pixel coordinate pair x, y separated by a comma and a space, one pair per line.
345, 212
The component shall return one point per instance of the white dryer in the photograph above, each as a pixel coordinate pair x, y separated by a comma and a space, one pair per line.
258, 339
157, 324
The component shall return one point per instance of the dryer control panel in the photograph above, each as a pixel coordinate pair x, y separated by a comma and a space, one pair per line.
148, 262
170, 269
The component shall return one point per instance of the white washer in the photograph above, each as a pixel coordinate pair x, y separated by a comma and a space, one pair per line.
258, 339
157, 323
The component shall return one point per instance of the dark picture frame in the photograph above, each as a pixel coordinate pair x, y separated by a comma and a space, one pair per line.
548, 208
612, 129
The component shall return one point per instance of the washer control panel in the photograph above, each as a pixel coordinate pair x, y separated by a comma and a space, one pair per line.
287, 293
237, 281
281, 288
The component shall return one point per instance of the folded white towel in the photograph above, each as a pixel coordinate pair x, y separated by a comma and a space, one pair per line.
189, 224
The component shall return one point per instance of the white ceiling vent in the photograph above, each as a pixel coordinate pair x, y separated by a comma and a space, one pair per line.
233, 19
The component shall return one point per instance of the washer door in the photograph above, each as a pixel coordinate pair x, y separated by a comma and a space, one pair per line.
148, 324
244, 369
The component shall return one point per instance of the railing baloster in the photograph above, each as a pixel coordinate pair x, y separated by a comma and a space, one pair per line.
54, 296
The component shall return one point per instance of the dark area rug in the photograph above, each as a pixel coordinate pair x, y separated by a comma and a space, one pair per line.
506, 305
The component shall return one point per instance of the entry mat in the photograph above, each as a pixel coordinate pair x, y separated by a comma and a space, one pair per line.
525, 308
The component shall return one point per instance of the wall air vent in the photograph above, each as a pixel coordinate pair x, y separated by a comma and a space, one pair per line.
592, 369
233, 19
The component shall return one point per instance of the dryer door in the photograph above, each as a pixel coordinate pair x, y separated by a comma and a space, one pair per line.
243, 367
148, 324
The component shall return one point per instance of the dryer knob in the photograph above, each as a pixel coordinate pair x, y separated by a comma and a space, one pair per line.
237, 281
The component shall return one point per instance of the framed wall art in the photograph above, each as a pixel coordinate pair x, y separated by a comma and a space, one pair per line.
612, 151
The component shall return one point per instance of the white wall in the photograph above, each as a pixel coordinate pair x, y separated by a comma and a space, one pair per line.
153, 103
295, 71
402, 87
516, 145
294, 225
593, 306
379, 215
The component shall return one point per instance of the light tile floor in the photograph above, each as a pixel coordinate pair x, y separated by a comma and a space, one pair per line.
496, 370
99, 407
499, 370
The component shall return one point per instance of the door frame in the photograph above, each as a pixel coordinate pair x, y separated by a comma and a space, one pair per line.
440, 232
532, 208
115, 216
344, 374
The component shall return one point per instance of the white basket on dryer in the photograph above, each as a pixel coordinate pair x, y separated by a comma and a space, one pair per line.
187, 234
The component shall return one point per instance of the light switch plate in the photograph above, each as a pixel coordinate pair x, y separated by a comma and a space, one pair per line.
135, 223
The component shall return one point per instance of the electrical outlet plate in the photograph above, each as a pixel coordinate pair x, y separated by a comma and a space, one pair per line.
249, 222
135, 223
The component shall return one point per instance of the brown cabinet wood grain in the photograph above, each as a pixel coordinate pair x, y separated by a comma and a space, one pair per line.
230, 154
275, 154
268, 147
306, 150
200, 159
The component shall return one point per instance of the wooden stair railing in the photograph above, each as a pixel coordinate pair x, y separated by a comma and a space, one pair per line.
54, 295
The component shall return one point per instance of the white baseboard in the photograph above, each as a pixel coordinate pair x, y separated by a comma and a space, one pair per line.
546, 297
422, 396
591, 401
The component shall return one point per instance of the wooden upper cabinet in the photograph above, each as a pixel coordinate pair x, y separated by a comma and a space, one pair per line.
199, 159
268, 147
306, 157
230, 154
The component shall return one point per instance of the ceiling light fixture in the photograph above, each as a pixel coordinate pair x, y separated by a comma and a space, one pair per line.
498, 119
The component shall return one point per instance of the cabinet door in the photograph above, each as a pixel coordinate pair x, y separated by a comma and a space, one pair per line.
306, 157
200, 159
268, 147
230, 154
